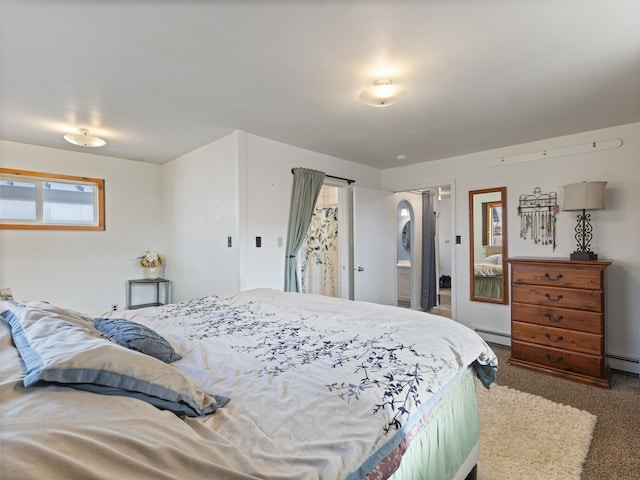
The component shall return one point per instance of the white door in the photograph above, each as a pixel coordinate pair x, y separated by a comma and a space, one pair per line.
374, 250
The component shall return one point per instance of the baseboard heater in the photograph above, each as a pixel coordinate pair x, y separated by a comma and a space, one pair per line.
621, 362
489, 332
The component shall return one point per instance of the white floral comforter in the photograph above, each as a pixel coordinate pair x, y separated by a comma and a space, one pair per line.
317, 386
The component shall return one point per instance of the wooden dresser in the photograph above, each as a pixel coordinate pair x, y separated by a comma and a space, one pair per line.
557, 317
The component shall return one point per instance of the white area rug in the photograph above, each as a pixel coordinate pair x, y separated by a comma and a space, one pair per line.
523, 436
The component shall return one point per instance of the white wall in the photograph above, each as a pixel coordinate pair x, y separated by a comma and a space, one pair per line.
239, 185
201, 206
266, 185
446, 243
616, 229
84, 270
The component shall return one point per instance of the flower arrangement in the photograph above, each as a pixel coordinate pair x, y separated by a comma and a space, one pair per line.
150, 260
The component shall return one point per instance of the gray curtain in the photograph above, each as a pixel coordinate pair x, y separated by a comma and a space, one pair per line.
429, 294
306, 188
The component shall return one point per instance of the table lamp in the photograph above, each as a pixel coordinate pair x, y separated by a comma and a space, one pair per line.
582, 197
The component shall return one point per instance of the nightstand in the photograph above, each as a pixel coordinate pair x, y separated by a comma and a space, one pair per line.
156, 289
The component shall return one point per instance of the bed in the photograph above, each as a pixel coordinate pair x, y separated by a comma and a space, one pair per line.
487, 277
259, 384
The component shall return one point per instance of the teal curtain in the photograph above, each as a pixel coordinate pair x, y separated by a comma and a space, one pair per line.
306, 188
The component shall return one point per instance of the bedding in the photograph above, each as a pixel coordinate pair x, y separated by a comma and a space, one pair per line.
62, 347
319, 388
487, 277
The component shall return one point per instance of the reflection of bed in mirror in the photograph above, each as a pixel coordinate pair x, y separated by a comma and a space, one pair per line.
487, 274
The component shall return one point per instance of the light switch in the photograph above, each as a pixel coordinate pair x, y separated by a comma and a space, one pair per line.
258, 242
279, 241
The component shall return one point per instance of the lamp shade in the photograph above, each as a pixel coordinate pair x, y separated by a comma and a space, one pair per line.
584, 196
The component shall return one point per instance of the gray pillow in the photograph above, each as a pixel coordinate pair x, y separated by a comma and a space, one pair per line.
137, 337
64, 348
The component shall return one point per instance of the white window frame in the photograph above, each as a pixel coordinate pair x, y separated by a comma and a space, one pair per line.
40, 178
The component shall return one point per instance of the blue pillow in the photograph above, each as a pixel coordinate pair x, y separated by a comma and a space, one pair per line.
137, 337
60, 347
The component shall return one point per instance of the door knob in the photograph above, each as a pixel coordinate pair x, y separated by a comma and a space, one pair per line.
360, 269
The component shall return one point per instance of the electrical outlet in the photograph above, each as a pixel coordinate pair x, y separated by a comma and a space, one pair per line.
114, 307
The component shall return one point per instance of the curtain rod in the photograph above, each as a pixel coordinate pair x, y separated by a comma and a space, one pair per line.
348, 180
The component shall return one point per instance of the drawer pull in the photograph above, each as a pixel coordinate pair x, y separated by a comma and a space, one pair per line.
551, 318
557, 360
555, 340
548, 277
553, 299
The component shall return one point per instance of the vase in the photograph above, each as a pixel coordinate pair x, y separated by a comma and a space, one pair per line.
152, 272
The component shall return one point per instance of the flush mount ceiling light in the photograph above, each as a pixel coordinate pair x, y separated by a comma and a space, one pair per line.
382, 94
84, 139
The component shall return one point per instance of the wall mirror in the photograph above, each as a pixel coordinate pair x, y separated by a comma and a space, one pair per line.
488, 245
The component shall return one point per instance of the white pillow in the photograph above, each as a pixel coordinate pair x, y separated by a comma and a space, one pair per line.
64, 347
493, 259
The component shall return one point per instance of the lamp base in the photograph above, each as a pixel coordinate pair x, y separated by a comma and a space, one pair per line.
583, 256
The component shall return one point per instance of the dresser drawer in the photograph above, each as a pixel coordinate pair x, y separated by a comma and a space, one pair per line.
591, 300
557, 337
591, 322
557, 359
571, 276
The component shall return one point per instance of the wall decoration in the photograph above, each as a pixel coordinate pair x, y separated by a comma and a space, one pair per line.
538, 217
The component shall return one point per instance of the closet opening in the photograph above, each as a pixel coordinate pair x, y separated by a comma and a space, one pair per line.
410, 259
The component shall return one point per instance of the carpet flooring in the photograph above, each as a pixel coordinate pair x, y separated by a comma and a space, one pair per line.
615, 446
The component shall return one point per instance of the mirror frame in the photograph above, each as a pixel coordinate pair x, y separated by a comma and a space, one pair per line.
478, 235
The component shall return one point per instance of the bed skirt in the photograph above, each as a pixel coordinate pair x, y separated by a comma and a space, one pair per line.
489, 287
446, 447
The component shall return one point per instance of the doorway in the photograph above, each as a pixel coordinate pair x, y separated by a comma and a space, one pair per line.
320, 264
363, 262
445, 233
405, 248
325, 257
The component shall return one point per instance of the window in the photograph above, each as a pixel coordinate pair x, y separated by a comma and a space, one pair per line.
34, 200
491, 223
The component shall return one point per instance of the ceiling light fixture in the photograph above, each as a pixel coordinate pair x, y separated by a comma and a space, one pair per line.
382, 94
84, 139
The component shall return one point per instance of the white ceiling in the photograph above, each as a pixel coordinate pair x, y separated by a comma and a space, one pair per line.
160, 79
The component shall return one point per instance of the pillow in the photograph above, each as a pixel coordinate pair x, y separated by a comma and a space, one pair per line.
137, 337
66, 350
6, 294
493, 259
